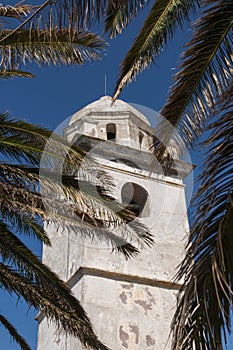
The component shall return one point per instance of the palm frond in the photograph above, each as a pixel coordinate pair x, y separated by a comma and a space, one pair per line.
120, 13
85, 13
205, 73
16, 11
23, 141
84, 214
16, 137
60, 307
55, 47
91, 181
14, 333
78, 203
158, 28
69, 220
87, 199
26, 263
24, 222
71, 14
14, 252
204, 313
75, 14
10, 73
92, 204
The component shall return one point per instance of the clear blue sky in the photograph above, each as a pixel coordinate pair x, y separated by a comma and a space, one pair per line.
54, 94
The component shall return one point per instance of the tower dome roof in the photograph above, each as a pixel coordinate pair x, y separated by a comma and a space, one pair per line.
104, 104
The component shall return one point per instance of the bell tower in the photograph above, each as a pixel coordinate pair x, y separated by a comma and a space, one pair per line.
130, 303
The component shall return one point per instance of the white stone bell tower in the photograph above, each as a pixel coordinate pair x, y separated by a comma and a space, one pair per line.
130, 303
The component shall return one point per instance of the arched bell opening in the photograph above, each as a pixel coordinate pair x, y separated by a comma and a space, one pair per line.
135, 198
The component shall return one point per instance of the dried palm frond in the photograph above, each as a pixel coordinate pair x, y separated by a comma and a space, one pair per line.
10, 73
17, 11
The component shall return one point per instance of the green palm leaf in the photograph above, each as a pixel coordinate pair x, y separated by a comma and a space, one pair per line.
86, 215
72, 14
84, 13
48, 286
19, 186
24, 222
205, 73
55, 47
21, 196
204, 313
14, 333
21, 205
70, 316
26, 142
120, 13
157, 29
63, 14
22, 141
